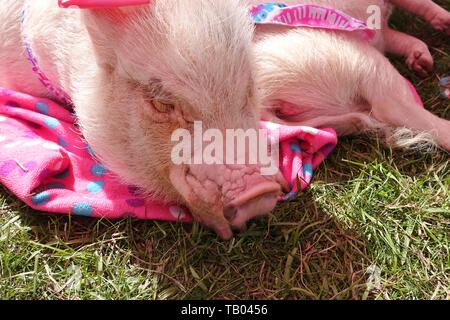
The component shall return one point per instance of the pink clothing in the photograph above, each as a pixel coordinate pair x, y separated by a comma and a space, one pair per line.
44, 161
309, 16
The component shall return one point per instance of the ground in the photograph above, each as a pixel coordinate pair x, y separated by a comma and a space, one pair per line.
374, 225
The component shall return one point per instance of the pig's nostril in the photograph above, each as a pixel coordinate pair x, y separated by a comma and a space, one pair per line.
265, 188
257, 201
230, 212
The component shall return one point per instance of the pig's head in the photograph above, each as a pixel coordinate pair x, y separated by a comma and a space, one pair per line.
162, 68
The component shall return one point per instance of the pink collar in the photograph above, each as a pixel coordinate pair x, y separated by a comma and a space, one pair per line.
57, 93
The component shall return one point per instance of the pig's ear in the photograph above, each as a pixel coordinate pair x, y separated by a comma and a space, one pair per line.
109, 16
106, 27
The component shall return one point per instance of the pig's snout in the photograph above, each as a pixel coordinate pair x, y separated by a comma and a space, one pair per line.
256, 201
225, 197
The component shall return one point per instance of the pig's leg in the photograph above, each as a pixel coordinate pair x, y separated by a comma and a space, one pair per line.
418, 57
437, 16
393, 103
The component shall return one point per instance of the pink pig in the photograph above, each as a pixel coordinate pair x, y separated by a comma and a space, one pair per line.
135, 75
337, 79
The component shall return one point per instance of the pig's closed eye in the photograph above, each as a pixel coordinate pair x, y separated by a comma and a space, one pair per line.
158, 98
163, 106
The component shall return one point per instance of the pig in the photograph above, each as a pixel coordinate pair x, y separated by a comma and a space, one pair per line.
336, 79
134, 75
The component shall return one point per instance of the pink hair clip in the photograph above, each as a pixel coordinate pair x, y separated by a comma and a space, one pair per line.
82, 4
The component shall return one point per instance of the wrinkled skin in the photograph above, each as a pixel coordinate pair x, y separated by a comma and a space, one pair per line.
135, 75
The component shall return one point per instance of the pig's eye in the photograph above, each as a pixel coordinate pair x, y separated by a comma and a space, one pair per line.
163, 106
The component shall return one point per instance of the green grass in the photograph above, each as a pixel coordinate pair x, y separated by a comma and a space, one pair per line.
370, 208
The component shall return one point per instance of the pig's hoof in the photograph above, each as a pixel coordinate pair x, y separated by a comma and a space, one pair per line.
420, 60
441, 21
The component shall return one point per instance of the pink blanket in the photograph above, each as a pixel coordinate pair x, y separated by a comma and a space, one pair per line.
44, 161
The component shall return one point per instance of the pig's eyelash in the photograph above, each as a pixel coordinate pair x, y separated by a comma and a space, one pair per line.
160, 101
160, 98
162, 106
154, 89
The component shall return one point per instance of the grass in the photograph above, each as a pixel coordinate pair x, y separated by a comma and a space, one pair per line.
371, 211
